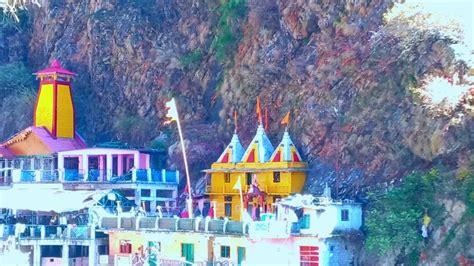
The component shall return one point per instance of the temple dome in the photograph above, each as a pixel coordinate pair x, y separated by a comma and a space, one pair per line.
286, 151
233, 152
260, 148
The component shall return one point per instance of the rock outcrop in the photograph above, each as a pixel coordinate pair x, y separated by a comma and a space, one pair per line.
336, 65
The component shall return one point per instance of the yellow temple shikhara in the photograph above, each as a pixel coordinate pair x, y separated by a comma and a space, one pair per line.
54, 107
267, 174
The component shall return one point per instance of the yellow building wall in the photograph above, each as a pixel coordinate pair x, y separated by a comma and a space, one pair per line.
170, 244
297, 181
137, 240
233, 243
290, 182
45, 107
65, 112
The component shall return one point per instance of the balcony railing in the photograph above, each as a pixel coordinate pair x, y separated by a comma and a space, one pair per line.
22, 231
175, 224
96, 175
254, 229
228, 189
36, 175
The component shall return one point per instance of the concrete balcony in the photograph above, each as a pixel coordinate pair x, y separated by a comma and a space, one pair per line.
261, 229
175, 225
48, 232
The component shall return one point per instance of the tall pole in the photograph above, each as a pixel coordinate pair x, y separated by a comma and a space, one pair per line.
190, 199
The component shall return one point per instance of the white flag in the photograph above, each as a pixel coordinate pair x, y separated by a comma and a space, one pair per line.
237, 184
172, 114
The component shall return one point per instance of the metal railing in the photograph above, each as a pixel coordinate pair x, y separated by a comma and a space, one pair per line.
176, 224
136, 175
96, 175
39, 176
23, 231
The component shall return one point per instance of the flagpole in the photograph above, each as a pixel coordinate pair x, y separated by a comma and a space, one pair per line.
190, 199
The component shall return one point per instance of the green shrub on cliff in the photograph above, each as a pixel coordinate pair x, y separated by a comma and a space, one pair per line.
394, 221
227, 35
15, 78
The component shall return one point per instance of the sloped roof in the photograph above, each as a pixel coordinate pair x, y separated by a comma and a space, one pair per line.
54, 144
5, 153
233, 152
286, 151
260, 148
55, 68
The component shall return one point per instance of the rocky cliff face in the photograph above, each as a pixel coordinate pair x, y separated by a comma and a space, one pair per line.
342, 72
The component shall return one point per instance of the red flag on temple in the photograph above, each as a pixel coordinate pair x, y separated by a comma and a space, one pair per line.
259, 110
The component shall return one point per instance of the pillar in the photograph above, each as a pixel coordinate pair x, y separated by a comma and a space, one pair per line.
85, 165
2, 166
120, 165
65, 255
127, 162
61, 167
147, 161
102, 168
138, 196
163, 175
153, 200
136, 160
92, 253
36, 255
110, 165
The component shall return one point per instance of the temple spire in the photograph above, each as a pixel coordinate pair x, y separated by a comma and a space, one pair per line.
54, 108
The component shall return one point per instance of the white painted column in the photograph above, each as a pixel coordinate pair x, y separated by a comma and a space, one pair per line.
138, 197
60, 167
110, 165
36, 255
127, 162
120, 165
2, 166
153, 201
85, 165
65, 255
102, 168
92, 253
163, 175
147, 163
136, 160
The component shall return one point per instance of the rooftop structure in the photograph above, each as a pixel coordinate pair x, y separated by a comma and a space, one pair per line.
282, 240
266, 175
50, 153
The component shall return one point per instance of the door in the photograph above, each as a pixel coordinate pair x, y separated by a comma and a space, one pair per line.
240, 255
154, 248
187, 252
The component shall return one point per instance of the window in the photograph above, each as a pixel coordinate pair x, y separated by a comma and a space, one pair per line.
228, 209
228, 198
345, 215
125, 246
145, 193
304, 221
309, 256
225, 252
276, 177
249, 178
227, 177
